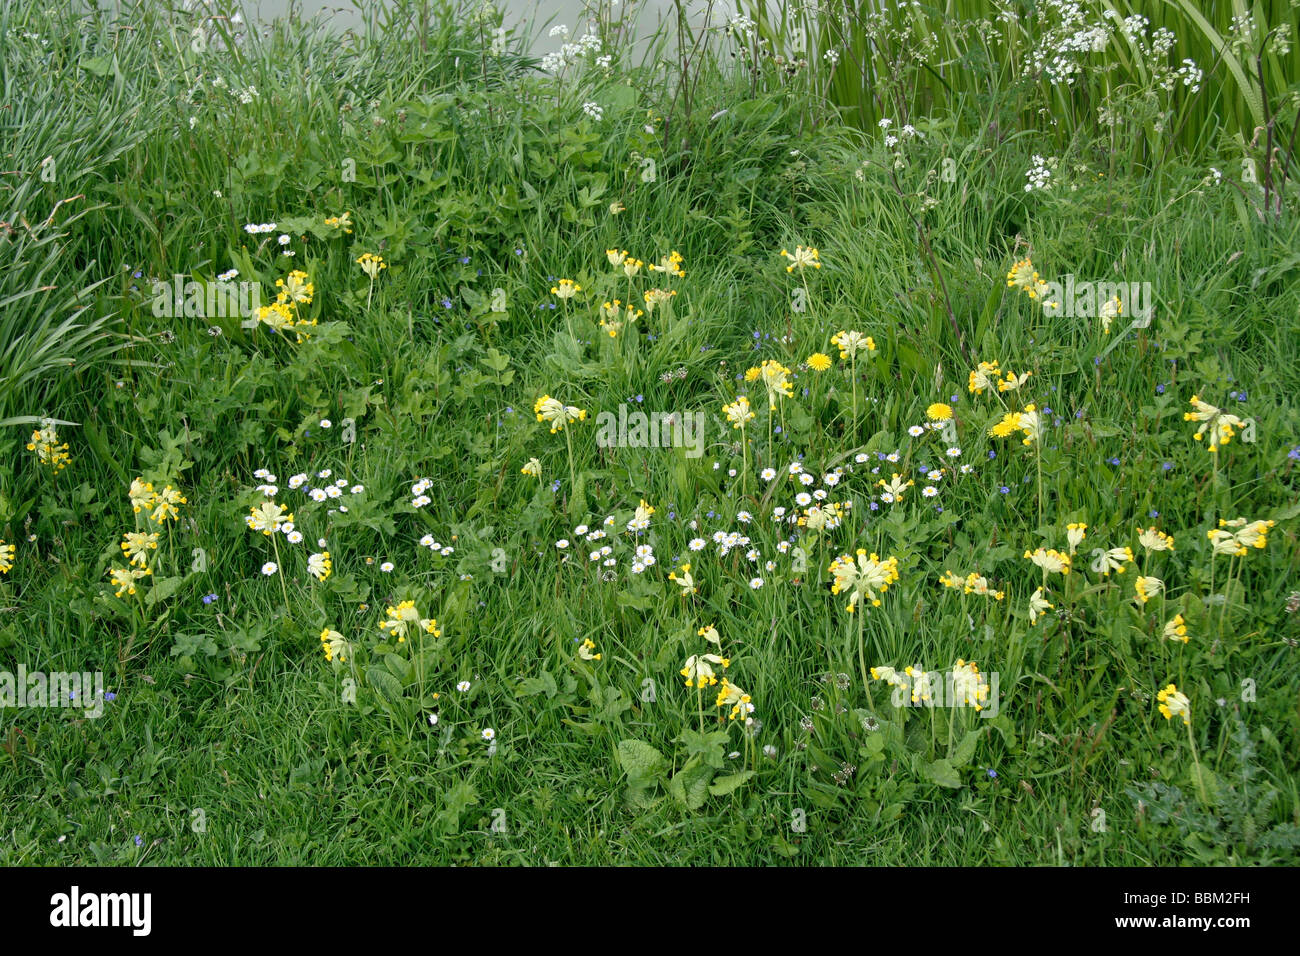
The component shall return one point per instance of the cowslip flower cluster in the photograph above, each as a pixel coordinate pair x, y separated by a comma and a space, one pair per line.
863, 577
1174, 703
1245, 535
334, 644
989, 375
49, 452
775, 378
556, 413
7, 554
801, 258
850, 343
738, 412
1220, 425
404, 619
372, 264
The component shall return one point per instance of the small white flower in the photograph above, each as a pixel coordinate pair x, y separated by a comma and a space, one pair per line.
562, 543
270, 568
463, 686
767, 474
755, 583
283, 240
433, 720
489, 734
326, 423
386, 567
295, 537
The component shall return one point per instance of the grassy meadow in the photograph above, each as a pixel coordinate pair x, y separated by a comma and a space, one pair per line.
831, 438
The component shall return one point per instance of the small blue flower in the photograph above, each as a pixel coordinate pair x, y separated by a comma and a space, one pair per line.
110, 696
555, 485
1005, 490
1168, 466
875, 506
993, 774
1153, 513
1113, 461
1294, 453
1160, 389
139, 840
992, 454
464, 260
209, 598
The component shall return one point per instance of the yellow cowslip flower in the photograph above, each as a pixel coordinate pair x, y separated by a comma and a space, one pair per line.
320, 566
1110, 310
684, 580
655, 297
775, 378
976, 583
1176, 629
1029, 424
729, 695
557, 414
984, 376
851, 343
641, 517
1114, 559
585, 650
969, 686
295, 288
141, 494
7, 554
710, 634
801, 258
1050, 560
1009, 423
697, 671
404, 618
1023, 277
862, 577
334, 645
371, 264
939, 412
631, 266
1173, 703
1037, 605
889, 676
1147, 587
894, 488
277, 316
165, 502
1075, 532
124, 579
738, 412
616, 207
566, 289
45, 442
671, 263
136, 546
343, 222
1011, 381
822, 517
819, 362
616, 256
532, 467
1154, 539
1247, 535
920, 679
268, 517
1219, 424
950, 580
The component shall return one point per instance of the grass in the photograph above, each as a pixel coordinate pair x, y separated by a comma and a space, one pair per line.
231, 739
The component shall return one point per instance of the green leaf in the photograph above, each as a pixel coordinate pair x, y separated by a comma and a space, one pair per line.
724, 785
639, 760
384, 683
966, 749
543, 683
690, 785
942, 773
